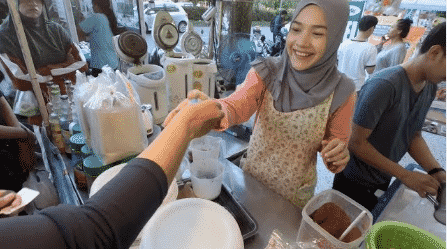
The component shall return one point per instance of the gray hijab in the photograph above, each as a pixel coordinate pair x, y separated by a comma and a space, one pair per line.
293, 90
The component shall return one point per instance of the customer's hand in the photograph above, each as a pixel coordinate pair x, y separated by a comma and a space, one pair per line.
421, 183
201, 118
9, 200
335, 155
194, 94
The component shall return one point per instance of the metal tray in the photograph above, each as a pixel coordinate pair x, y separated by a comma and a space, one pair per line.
246, 222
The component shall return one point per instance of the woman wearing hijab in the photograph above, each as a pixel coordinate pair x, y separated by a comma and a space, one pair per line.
303, 104
50, 45
394, 53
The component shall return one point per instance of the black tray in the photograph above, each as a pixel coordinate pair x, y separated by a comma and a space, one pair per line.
246, 222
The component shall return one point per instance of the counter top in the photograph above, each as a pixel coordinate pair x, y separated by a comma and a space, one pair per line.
270, 210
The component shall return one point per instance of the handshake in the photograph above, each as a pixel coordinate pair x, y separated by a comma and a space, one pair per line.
198, 112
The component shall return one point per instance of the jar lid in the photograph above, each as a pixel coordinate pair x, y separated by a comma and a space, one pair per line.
132, 44
93, 166
77, 141
76, 129
86, 150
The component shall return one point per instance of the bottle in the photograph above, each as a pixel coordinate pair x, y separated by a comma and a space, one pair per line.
55, 98
67, 84
56, 133
49, 85
65, 116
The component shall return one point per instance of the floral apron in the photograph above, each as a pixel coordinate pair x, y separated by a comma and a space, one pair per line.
282, 152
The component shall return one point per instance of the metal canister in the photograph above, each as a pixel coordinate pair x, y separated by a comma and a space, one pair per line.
77, 141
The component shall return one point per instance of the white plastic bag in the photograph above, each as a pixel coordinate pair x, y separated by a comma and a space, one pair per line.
26, 104
84, 89
116, 124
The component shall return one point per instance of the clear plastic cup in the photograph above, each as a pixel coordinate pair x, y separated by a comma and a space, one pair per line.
206, 178
206, 147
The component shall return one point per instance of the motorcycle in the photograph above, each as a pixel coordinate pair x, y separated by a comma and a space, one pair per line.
265, 47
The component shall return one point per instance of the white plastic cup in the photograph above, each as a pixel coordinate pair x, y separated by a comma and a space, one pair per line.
206, 147
206, 178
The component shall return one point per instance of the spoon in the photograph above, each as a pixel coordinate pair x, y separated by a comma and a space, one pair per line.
353, 224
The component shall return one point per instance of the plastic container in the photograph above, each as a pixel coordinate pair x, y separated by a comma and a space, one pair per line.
206, 147
151, 91
310, 231
393, 234
206, 178
77, 141
86, 151
93, 167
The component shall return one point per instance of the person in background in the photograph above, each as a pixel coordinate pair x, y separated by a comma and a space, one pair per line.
98, 28
17, 146
49, 43
388, 120
303, 104
278, 22
355, 56
394, 53
115, 215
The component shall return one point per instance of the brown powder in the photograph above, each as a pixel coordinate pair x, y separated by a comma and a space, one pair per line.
334, 220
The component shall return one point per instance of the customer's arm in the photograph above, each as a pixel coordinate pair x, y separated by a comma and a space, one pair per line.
114, 216
12, 129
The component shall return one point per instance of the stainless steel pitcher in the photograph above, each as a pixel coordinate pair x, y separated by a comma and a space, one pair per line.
439, 203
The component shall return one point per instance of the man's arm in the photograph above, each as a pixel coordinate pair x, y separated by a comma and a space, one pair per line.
420, 152
359, 145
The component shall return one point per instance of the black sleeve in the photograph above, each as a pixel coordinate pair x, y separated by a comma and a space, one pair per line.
112, 218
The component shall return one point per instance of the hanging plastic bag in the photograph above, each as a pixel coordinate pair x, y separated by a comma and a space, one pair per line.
116, 124
26, 104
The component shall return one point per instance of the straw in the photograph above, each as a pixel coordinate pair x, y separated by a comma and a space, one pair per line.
352, 225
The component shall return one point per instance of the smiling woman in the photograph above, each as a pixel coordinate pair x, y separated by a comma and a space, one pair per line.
303, 104
306, 41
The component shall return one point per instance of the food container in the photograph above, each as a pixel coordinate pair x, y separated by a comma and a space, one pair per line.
93, 167
311, 232
86, 151
393, 234
77, 141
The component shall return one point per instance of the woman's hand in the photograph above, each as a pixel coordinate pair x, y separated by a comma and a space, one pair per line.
9, 200
335, 155
194, 94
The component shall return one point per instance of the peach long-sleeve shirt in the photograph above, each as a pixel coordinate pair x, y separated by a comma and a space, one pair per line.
242, 104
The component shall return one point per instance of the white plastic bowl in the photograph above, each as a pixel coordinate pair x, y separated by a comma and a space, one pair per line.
192, 223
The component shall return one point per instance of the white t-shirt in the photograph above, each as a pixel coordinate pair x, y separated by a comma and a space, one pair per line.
353, 57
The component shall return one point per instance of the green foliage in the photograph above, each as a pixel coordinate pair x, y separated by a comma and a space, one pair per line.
195, 13
263, 10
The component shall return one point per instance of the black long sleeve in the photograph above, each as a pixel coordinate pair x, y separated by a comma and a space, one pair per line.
112, 218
